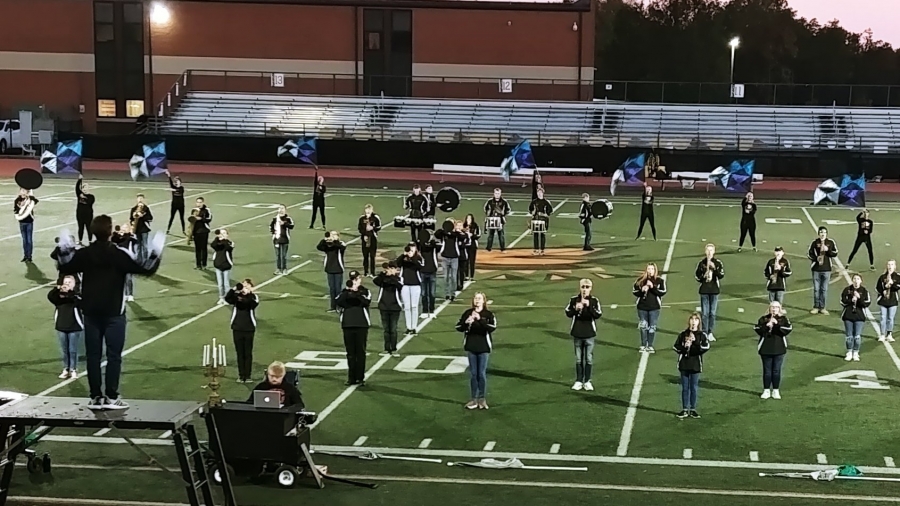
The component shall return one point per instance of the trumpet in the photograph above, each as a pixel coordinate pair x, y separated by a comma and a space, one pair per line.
710, 269
821, 258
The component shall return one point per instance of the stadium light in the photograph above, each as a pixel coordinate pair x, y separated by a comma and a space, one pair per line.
733, 43
159, 14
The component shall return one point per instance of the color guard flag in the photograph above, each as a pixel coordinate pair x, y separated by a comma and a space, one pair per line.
303, 149
845, 191
66, 160
630, 172
738, 177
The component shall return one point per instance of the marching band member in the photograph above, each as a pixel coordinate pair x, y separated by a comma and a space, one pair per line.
450, 244
477, 324
354, 302
141, 217
777, 271
56, 255
243, 326
410, 263
69, 323
647, 211
429, 250
748, 221
389, 304
369, 225
863, 236
887, 286
709, 273
540, 210
123, 237
280, 228
200, 232
497, 207
820, 253
84, 208
318, 200
584, 215
584, 310
855, 299
470, 228
536, 182
334, 249
773, 329
649, 290
416, 205
431, 208
464, 243
177, 201
223, 261
690, 346
23, 208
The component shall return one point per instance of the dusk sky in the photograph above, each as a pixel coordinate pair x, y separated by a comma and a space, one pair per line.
882, 16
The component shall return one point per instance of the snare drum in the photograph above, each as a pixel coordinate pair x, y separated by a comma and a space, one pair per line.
493, 223
429, 222
538, 227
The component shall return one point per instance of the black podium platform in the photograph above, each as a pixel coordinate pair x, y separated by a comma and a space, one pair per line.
19, 417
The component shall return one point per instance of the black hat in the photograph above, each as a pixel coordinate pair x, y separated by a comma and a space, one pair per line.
354, 274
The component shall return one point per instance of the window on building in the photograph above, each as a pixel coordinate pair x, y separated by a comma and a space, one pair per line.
134, 108
106, 108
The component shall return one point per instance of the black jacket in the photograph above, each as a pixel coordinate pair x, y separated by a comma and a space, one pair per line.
142, 224
201, 224
389, 295
68, 317
584, 212
355, 308
363, 224
710, 287
780, 280
410, 268
891, 299
417, 205
647, 204
319, 193
691, 359
813, 254
478, 335
223, 251
748, 211
854, 312
474, 235
772, 341
541, 206
450, 243
334, 255
584, 322
177, 194
652, 299
30, 217
287, 224
84, 208
497, 207
104, 267
243, 316
430, 204
290, 396
429, 251
864, 226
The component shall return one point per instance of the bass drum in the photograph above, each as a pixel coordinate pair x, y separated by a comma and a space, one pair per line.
447, 200
601, 209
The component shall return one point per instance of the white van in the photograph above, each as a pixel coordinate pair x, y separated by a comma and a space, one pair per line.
10, 135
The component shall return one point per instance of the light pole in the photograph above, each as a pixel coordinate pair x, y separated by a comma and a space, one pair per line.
160, 16
733, 43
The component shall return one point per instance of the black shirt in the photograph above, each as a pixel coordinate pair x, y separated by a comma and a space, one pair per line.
177, 193
318, 193
85, 205
813, 255
290, 396
772, 341
748, 211
690, 358
647, 204
891, 299
710, 286
777, 283
854, 311
584, 322
417, 205
864, 225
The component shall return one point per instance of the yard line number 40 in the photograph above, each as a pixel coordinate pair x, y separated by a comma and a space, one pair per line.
337, 361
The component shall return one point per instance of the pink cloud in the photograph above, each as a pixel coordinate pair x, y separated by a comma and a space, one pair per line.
882, 16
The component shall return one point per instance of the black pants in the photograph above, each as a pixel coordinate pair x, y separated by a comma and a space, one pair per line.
647, 217
470, 265
390, 320
748, 226
84, 225
368, 253
177, 207
415, 232
201, 248
461, 273
860, 240
318, 206
540, 241
587, 234
355, 344
243, 345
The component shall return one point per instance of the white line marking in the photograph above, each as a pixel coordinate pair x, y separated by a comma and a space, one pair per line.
489, 446
425, 443
102, 432
361, 440
628, 426
754, 456
528, 232
554, 448
821, 458
699, 309
2, 284
165, 435
531, 303
740, 310
613, 306
164, 290
203, 292
889, 462
688, 453
25, 292
284, 296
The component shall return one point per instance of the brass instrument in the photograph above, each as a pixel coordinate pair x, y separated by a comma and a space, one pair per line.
25, 209
821, 258
137, 215
775, 268
278, 226
367, 239
192, 219
888, 281
710, 270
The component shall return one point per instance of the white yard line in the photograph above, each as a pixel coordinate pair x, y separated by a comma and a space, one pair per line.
361, 440
631, 413
528, 232
868, 313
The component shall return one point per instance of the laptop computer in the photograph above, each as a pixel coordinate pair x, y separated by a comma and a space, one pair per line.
267, 399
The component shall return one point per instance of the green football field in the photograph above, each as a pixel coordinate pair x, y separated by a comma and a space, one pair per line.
625, 433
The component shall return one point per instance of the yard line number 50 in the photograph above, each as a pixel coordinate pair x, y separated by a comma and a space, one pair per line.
337, 361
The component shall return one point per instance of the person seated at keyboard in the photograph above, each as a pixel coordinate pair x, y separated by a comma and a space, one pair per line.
274, 381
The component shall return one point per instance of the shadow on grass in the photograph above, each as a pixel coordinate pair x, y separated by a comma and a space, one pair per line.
34, 273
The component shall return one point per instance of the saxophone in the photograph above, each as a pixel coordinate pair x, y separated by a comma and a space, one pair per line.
192, 219
775, 268
710, 269
821, 258
277, 235
888, 281
137, 215
367, 239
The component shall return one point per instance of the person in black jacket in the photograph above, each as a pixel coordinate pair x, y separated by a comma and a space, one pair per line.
540, 209
280, 228
478, 324
104, 267
177, 201
584, 310
368, 227
649, 290
416, 206
449, 253
389, 304
887, 287
647, 212
124, 238
141, 217
410, 264
223, 261
84, 208
820, 254
354, 302
585, 216
748, 221
470, 228
23, 209
318, 200
777, 271
201, 233
69, 324
855, 299
496, 210
334, 250
465, 240
709, 273
863, 236
430, 209
274, 381
243, 325
429, 250
773, 329
690, 347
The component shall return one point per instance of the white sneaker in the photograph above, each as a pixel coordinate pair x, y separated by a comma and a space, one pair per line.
578, 385
73, 375
849, 356
711, 337
766, 394
650, 349
64, 374
222, 302
130, 298
588, 386
642, 349
881, 339
776, 394
890, 337
856, 356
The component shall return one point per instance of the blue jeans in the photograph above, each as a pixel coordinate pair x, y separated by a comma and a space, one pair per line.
478, 363
100, 331
129, 285
451, 275
281, 256
647, 325
223, 281
709, 304
776, 295
335, 285
690, 389
584, 359
68, 345
143, 246
27, 231
887, 319
772, 370
429, 287
853, 333
820, 288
